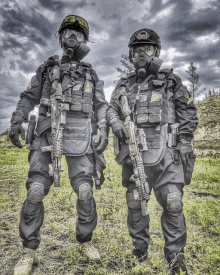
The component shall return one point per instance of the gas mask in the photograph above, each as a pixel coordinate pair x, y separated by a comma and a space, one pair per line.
73, 44
145, 61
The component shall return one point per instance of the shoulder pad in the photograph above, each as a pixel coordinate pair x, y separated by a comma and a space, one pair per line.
40, 68
168, 73
164, 73
85, 64
49, 62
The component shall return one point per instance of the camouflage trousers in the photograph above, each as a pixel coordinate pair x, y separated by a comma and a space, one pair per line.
167, 181
81, 169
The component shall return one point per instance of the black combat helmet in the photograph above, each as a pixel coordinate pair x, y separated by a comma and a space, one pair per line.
75, 22
144, 36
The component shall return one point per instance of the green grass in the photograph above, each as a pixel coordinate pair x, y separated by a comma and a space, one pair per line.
59, 251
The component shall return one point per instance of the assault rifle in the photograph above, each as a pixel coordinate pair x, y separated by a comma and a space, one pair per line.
136, 143
58, 119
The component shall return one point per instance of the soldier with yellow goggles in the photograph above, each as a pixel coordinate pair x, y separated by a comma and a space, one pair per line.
71, 122
147, 49
75, 22
73, 36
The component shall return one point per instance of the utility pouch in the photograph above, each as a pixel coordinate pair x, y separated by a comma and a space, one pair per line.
189, 165
76, 135
156, 142
30, 130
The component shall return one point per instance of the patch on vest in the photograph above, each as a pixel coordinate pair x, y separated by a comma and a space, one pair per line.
88, 86
156, 96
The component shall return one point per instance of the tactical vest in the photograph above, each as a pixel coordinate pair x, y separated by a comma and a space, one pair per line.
77, 86
154, 111
153, 104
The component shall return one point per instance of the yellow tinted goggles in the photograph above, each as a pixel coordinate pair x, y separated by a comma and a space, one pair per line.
74, 18
148, 49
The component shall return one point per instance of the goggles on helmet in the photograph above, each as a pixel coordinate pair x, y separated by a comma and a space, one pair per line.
74, 18
79, 35
147, 49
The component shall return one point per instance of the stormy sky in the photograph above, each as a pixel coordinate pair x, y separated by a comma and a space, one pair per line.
189, 31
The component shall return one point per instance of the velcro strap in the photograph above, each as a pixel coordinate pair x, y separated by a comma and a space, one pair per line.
142, 110
87, 100
77, 92
155, 103
142, 104
76, 98
90, 95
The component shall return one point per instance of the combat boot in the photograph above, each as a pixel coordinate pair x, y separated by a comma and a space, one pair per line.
90, 251
27, 259
177, 266
140, 254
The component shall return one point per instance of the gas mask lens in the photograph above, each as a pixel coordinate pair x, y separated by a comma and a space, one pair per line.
79, 36
147, 49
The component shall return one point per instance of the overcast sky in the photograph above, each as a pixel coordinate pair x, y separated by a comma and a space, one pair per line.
189, 31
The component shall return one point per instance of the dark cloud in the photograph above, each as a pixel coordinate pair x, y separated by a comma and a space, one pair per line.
19, 23
156, 6
199, 23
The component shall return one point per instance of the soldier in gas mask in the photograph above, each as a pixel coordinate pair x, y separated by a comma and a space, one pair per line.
81, 115
160, 105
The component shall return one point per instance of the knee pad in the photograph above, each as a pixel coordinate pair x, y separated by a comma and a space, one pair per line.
85, 191
174, 202
131, 202
36, 192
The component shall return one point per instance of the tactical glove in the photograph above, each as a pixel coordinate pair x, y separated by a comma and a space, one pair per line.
184, 147
119, 130
100, 141
188, 159
17, 129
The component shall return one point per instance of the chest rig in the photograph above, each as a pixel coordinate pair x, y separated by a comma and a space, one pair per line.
152, 105
153, 111
77, 86
67, 99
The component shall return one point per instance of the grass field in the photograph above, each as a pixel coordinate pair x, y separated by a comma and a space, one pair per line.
60, 252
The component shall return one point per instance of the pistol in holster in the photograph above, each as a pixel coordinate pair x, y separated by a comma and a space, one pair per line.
30, 130
173, 136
